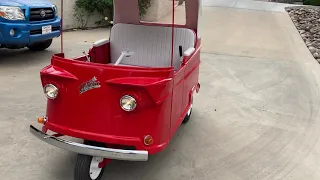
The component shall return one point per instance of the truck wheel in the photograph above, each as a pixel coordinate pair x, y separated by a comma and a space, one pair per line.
87, 168
40, 46
188, 115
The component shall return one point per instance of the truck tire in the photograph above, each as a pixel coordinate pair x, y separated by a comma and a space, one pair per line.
40, 46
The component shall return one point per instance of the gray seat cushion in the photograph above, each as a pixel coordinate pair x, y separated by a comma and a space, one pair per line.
151, 44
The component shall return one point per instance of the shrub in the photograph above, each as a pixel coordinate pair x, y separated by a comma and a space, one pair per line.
311, 2
85, 8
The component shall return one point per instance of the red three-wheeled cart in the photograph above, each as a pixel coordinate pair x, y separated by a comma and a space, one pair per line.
128, 95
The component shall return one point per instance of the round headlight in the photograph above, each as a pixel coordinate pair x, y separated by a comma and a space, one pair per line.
128, 103
50, 91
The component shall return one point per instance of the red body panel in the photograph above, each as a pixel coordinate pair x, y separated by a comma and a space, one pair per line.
101, 54
163, 97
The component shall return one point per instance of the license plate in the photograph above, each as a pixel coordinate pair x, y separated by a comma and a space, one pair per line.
46, 29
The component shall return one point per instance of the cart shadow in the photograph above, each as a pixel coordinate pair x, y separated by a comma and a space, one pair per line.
64, 170
156, 166
23, 56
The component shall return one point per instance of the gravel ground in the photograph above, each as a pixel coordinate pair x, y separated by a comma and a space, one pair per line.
307, 21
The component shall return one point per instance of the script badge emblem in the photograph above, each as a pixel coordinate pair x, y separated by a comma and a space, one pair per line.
89, 85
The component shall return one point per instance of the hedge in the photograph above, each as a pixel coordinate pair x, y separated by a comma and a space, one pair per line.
311, 2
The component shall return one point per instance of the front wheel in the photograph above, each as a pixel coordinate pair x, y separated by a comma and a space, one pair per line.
87, 168
40, 46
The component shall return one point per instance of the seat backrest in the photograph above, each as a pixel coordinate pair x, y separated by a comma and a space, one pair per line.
151, 44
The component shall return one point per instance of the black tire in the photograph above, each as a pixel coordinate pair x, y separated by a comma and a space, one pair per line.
188, 115
82, 168
40, 46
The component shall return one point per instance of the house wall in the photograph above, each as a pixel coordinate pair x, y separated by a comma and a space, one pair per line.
158, 9
69, 20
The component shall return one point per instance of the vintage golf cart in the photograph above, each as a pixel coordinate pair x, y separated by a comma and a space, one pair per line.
128, 95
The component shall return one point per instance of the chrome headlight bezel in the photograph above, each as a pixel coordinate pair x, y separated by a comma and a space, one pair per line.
53, 90
128, 100
12, 13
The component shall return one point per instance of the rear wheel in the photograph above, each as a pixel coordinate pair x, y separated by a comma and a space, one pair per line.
188, 115
40, 46
87, 168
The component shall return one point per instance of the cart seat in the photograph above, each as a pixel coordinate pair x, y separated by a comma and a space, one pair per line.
151, 44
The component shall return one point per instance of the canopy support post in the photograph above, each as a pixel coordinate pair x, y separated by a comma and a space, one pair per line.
172, 50
61, 28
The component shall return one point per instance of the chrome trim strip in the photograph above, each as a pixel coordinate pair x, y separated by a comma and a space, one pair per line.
117, 154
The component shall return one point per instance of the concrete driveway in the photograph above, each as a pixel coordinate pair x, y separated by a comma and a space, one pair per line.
256, 117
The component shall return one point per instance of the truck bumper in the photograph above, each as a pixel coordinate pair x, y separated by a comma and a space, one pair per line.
116, 154
28, 33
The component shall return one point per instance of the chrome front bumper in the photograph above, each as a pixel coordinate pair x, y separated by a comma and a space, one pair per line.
117, 154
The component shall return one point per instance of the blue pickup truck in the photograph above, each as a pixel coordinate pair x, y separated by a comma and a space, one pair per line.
28, 23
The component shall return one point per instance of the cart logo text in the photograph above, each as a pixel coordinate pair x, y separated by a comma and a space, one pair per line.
89, 85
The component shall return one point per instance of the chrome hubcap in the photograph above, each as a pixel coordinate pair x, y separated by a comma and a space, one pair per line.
189, 112
94, 167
